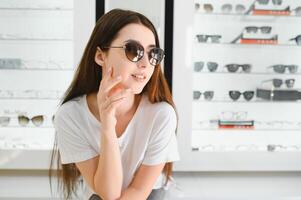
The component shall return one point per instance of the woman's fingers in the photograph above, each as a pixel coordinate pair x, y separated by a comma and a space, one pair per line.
116, 97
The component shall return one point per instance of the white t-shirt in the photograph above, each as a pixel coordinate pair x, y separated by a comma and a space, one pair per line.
149, 138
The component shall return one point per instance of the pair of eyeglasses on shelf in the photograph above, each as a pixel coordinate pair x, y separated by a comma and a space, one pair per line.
277, 83
233, 115
235, 95
281, 69
225, 8
208, 38
211, 66
266, 2
30, 94
208, 95
257, 29
235, 67
23, 120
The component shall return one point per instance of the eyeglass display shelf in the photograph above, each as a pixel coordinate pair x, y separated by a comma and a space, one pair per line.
252, 101
37, 9
247, 15
216, 130
198, 44
37, 69
250, 73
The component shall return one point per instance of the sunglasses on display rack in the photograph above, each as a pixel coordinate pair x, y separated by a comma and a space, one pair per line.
207, 38
266, 2
254, 29
279, 82
239, 8
234, 67
135, 51
297, 39
282, 68
235, 95
23, 120
212, 66
208, 95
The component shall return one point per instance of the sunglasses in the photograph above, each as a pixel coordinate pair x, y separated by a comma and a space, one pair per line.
297, 39
278, 82
208, 95
234, 67
212, 66
205, 38
254, 29
265, 2
135, 51
36, 120
234, 95
281, 68
227, 8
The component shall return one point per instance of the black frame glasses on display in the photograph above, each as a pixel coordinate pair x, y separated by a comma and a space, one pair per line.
211, 66
234, 67
208, 95
277, 83
266, 2
282, 68
135, 51
254, 29
235, 94
205, 38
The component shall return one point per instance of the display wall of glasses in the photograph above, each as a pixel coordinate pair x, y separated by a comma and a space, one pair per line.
237, 84
38, 45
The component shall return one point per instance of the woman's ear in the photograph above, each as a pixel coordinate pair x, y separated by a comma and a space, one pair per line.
100, 57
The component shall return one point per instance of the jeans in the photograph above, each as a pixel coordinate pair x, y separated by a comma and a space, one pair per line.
156, 194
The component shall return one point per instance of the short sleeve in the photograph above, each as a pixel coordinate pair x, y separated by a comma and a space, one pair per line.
72, 144
162, 146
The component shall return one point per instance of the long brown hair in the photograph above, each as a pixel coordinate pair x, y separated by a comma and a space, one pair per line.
88, 77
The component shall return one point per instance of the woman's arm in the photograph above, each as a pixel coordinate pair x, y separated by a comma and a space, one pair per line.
104, 172
143, 182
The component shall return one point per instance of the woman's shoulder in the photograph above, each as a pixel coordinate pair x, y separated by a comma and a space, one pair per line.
70, 108
160, 109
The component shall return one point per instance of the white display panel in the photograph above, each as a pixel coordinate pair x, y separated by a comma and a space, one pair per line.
41, 43
271, 139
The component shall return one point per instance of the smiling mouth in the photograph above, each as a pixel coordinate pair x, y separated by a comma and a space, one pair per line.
139, 78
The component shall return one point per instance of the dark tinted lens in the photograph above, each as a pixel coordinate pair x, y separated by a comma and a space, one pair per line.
266, 29
134, 51
198, 66
251, 29
234, 95
215, 38
277, 2
290, 83
248, 95
298, 11
208, 8
212, 66
38, 120
298, 40
202, 38
4, 121
232, 67
196, 94
155, 56
23, 120
240, 8
263, 1
277, 82
246, 67
208, 95
292, 68
279, 68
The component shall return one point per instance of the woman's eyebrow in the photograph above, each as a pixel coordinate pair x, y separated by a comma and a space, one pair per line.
131, 40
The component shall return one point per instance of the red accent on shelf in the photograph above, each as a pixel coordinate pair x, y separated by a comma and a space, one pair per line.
236, 127
258, 41
272, 12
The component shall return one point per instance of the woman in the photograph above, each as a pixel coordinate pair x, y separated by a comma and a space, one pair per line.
117, 122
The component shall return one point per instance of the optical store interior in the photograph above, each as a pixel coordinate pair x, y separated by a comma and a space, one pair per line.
234, 71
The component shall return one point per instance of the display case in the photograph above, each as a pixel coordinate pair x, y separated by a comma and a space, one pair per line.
40, 46
237, 85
